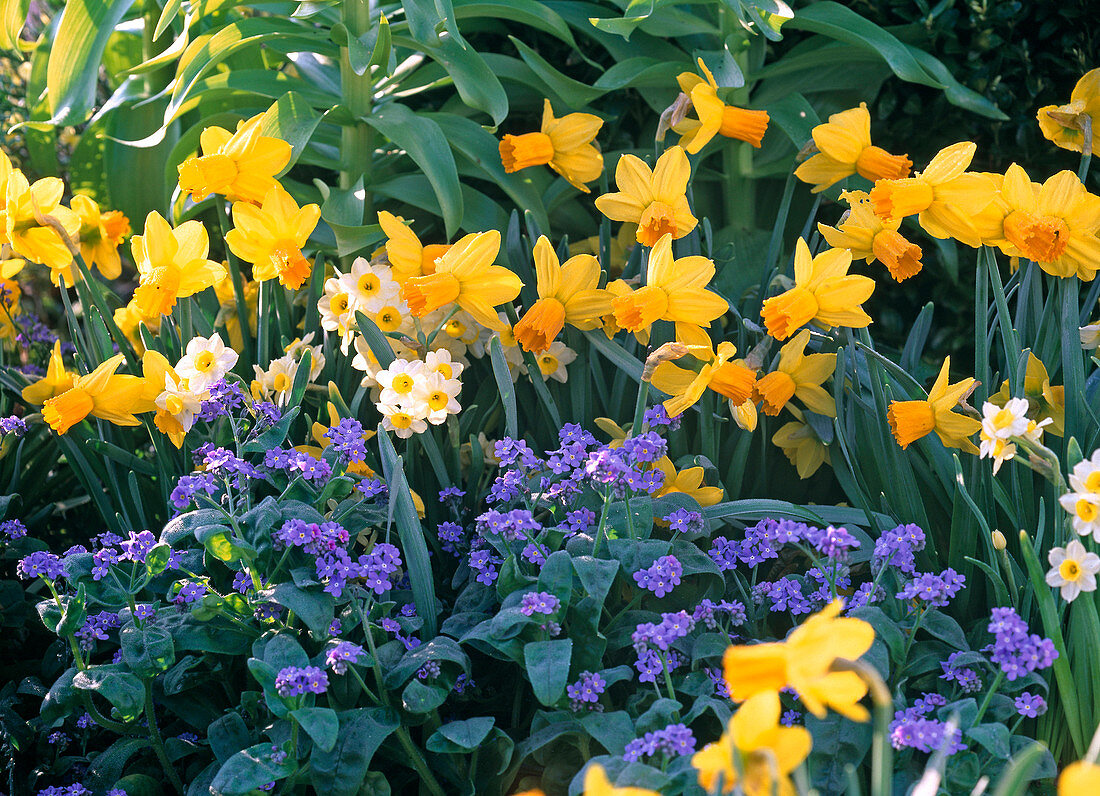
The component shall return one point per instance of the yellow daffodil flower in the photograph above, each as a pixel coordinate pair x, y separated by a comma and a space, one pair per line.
1045, 401
1064, 124
171, 264
407, 255
654, 200
56, 381
869, 237
101, 233
715, 116
824, 294
227, 310
129, 319
1081, 778
102, 393
675, 290
241, 166
26, 207
272, 235
912, 420
1055, 226
688, 481
465, 276
801, 444
755, 755
565, 145
596, 783
798, 375
803, 662
567, 294
720, 373
947, 200
618, 250
844, 148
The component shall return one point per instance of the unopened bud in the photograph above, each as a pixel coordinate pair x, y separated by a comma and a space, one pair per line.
673, 115
999, 541
666, 353
744, 415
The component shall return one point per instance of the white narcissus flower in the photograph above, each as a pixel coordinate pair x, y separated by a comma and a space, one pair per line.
337, 311
317, 357
205, 361
441, 361
401, 421
275, 383
1090, 336
553, 360
398, 380
1083, 502
179, 401
1073, 570
1002, 422
370, 287
439, 395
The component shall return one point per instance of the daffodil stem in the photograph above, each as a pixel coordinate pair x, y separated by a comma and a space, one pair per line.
108, 316
638, 427
356, 139
1086, 148
882, 769
238, 282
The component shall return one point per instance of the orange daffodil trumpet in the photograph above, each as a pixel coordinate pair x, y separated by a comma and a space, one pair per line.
565, 145
804, 663
869, 237
241, 166
844, 148
949, 201
172, 264
720, 372
913, 420
798, 375
655, 200
103, 393
271, 237
567, 294
1055, 224
715, 117
675, 290
466, 276
824, 294
1065, 125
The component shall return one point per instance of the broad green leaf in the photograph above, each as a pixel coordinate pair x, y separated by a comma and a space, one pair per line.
411, 533
313, 606
526, 12
13, 16
250, 769
76, 54
547, 664
507, 388
292, 119
342, 210
340, 770
320, 724
120, 688
425, 143
574, 93
459, 737
148, 651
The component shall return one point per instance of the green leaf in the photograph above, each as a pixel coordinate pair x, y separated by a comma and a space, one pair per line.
547, 664
13, 16
994, 737
420, 698
250, 769
411, 533
292, 119
340, 770
505, 385
574, 93
425, 143
156, 561
526, 12
272, 437
76, 54
320, 724
457, 737
596, 575
121, 689
312, 606
148, 651
342, 210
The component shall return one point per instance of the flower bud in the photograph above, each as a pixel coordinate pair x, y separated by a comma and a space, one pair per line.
999, 541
